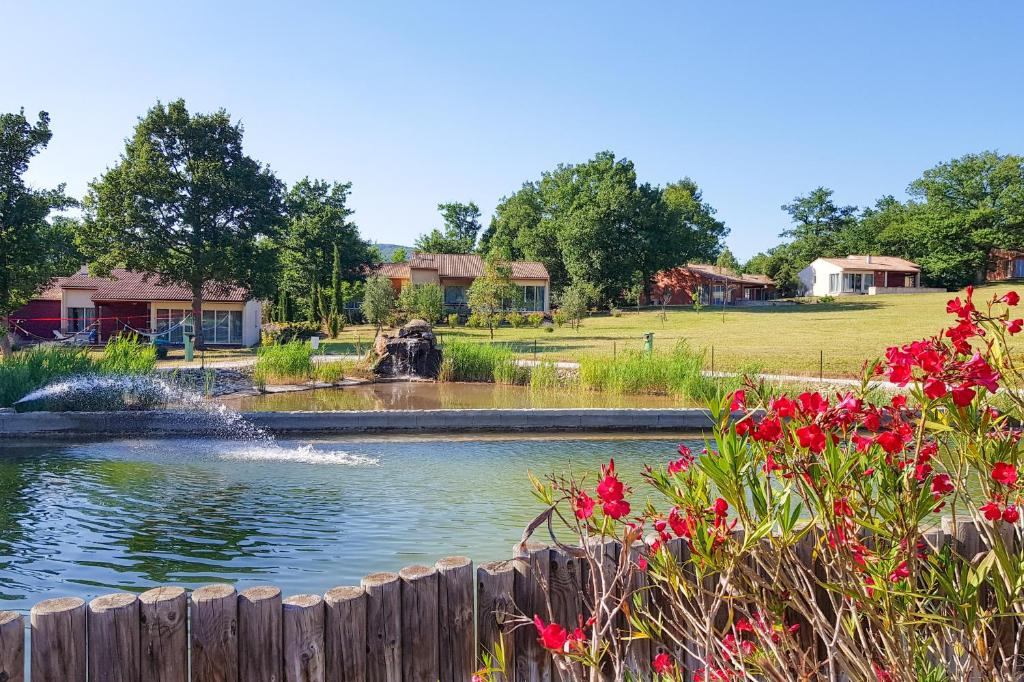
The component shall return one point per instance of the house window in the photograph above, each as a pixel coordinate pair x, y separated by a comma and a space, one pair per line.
1018, 267
222, 326
869, 280
172, 324
533, 298
718, 293
853, 282
455, 295
833, 283
80, 319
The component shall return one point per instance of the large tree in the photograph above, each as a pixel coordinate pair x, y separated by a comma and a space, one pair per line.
461, 226
318, 222
819, 227
186, 204
33, 248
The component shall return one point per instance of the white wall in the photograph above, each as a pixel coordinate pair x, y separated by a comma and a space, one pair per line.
252, 318
814, 278
74, 298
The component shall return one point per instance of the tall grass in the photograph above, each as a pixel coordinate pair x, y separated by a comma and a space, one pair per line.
124, 354
544, 376
283, 362
462, 361
27, 370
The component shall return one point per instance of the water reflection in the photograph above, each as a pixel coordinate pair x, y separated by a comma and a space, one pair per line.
434, 396
82, 519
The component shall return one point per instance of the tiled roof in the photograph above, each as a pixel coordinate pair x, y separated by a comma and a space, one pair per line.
124, 285
460, 266
890, 263
716, 273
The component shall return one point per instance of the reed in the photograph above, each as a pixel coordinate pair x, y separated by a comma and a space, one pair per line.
27, 370
125, 354
463, 361
544, 376
292, 361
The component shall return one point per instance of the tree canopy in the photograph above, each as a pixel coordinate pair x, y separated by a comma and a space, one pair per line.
185, 203
33, 247
461, 226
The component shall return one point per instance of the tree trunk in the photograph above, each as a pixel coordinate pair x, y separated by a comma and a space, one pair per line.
197, 315
5, 339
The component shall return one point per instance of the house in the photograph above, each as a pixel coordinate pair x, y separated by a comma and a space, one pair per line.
454, 272
861, 275
712, 284
1005, 264
99, 308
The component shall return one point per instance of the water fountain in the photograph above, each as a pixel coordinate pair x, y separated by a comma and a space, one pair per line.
411, 354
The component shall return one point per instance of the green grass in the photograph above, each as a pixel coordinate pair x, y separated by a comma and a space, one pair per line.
781, 339
286, 362
464, 361
126, 355
27, 370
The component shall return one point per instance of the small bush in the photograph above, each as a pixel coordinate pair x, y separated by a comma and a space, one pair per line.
535, 319
286, 332
615, 312
826, 299
453, 319
285, 362
515, 319
549, 330
476, 321
559, 317
124, 354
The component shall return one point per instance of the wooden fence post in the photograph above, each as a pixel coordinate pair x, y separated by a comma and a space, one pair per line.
419, 624
58, 640
163, 636
383, 627
113, 631
495, 606
456, 645
12, 647
259, 634
304, 638
345, 634
215, 634
532, 662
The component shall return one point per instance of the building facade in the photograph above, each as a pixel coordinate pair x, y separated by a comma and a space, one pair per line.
1005, 264
711, 285
855, 275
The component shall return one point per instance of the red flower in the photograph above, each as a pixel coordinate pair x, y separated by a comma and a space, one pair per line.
963, 395
615, 509
934, 388
583, 505
1004, 473
1010, 514
743, 427
683, 463
552, 636
662, 663
811, 437
991, 511
812, 403
770, 429
782, 406
901, 572
1011, 298
890, 442
610, 489
721, 507
1014, 326
842, 507
739, 401
942, 485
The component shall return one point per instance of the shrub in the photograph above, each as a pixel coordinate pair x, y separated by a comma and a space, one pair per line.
559, 317
535, 319
124, 354
27, 370
425, 301
284, 362
826, 299
453, 319
803, 543
286, 332
476, 321
549, 330
515, 319
615, 312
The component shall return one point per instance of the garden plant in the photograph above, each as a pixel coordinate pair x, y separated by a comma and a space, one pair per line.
815, 537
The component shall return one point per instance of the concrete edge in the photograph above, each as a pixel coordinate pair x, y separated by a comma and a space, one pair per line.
68, 425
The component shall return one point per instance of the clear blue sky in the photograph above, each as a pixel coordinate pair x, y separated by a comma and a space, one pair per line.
418, 103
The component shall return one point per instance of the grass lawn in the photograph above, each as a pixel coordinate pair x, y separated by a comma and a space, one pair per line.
782, 339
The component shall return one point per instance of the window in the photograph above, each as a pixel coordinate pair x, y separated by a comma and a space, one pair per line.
79, 319
533, 298
222, 326
455, 295
1018, 267
833, 283
718, 293
854, 282
869, 280
174, 323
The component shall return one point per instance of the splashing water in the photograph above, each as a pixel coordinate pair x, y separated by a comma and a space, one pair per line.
305, 454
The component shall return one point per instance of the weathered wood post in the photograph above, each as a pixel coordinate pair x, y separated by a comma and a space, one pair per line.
304, 638
163, 636
260, 656
113, 631
12, 647
456, 642
495, 606
383, 627
58, 640
345, 634
419, 623
532, 662
215, 634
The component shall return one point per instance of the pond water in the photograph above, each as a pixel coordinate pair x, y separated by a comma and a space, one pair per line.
421, 395
88, 518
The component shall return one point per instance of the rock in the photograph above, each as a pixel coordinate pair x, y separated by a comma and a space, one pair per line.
413, 353
415, 328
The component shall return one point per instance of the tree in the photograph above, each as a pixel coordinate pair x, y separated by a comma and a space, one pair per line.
728, 261
378, 302
425, 301
487, 294
692, 232
461, 226
637, 290
318, 222
819, 227
186, 204
523, 229
33, 248
337, 295
576, 299
399, 255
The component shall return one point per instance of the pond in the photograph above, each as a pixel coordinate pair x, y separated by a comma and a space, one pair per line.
88, 518
420, 395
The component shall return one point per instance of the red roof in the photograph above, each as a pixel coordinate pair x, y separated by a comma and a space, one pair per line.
125, 285
890, 263
459, 266
716, 273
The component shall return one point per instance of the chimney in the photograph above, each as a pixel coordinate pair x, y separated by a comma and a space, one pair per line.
868, 258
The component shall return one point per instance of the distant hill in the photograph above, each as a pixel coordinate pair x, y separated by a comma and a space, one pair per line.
387, 249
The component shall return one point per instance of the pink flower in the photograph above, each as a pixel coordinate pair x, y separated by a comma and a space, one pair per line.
662, 663
901, 572
583, 505
552, 636
1014, 326
991, 511
1004, 473
610, 489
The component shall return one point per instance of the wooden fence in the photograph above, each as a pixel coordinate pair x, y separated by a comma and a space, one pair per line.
422, 624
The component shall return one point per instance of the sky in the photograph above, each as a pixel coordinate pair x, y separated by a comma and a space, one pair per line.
417, 103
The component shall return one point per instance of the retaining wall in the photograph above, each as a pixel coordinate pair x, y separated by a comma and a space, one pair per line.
172, 423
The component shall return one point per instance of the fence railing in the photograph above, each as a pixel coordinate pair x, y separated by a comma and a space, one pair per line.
422, 624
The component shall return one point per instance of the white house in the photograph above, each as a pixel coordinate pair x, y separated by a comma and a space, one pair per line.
861, 275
